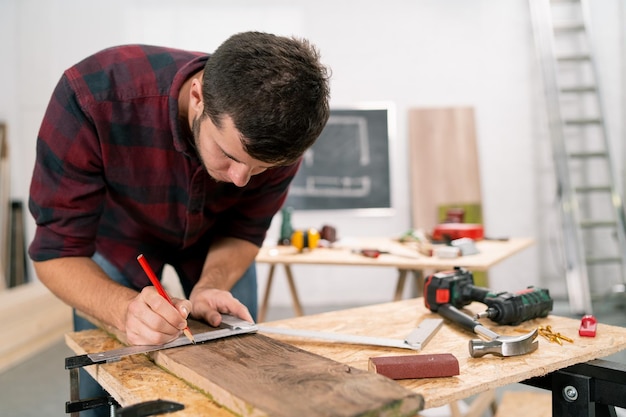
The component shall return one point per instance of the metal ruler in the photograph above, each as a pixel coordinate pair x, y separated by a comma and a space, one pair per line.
416, 340
230, 326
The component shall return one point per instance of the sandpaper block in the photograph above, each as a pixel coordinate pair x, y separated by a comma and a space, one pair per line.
415, 366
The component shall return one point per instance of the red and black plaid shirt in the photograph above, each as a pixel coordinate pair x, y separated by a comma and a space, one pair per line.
116, 174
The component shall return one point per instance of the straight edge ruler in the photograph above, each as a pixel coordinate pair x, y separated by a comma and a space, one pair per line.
230, 326
416, 340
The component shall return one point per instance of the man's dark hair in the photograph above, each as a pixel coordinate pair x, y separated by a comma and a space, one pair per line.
275, 90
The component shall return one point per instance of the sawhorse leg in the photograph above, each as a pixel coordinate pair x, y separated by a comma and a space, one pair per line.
297, 307
418, 276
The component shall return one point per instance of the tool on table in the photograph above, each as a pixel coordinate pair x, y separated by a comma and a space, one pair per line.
446, 232
370, 253
305, 239
230, 326
416, 340
375, 253
435, 365
144, 409
553, 337
588, 326
457, 288
149, 408
157, 284
495, 344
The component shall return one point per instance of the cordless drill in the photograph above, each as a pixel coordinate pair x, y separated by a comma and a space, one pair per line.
457, 288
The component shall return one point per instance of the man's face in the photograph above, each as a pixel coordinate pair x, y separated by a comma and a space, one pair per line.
222, 153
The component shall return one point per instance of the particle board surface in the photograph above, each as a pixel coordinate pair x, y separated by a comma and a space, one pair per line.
254, 375
398, 319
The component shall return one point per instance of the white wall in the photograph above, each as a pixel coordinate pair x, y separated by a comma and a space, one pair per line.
413, 53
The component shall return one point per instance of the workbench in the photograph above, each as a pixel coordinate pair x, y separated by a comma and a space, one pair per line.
551, 366
401, 257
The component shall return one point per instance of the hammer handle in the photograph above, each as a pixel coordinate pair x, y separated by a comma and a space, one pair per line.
464, 320
457, 316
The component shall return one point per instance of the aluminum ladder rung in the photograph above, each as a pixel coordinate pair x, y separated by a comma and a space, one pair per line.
566, 27
593, 189
574, 58
592, 224
583, 121
604, 260
588, 155
579, 89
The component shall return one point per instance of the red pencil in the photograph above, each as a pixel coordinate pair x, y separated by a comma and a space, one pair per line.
157, 284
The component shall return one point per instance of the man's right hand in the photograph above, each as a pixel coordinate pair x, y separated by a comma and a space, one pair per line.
152, 320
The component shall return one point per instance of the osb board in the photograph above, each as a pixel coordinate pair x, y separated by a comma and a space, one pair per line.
397, 319
253, 375
443, 160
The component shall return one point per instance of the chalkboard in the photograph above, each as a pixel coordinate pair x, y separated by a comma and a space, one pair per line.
348, 166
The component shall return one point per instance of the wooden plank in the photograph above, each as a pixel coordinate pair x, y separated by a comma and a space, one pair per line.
253, 375
443, 159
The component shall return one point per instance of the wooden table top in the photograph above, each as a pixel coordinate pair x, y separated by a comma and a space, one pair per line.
138, 379
397, 319
490, 253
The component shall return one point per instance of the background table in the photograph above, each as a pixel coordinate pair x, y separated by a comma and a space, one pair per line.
404, 259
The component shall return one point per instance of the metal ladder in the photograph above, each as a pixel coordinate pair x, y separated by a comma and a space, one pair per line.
592, 212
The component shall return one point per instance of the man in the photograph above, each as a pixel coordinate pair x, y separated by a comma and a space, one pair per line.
182, 156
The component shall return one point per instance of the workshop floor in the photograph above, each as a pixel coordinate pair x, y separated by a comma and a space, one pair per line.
40, 386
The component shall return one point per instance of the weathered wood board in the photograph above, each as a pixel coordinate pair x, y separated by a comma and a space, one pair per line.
254, 375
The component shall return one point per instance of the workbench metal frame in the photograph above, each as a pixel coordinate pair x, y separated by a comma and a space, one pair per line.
590, 389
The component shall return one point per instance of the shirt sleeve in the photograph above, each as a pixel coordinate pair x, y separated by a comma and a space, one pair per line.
67, 186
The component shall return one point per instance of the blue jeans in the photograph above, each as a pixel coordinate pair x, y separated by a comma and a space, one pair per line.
245, 291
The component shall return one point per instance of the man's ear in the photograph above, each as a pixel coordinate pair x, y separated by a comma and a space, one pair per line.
195, 96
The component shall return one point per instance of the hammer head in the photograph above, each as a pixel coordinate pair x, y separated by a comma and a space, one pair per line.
505, 345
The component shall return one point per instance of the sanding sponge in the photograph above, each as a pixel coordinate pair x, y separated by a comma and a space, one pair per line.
415, 366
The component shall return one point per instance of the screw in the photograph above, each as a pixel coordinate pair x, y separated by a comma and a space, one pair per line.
570, 393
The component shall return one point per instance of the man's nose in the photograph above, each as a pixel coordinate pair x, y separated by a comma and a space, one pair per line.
239, 174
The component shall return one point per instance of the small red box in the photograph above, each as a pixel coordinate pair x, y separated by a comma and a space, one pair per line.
453, 231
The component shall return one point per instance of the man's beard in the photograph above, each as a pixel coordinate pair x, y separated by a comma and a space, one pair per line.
195, 131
